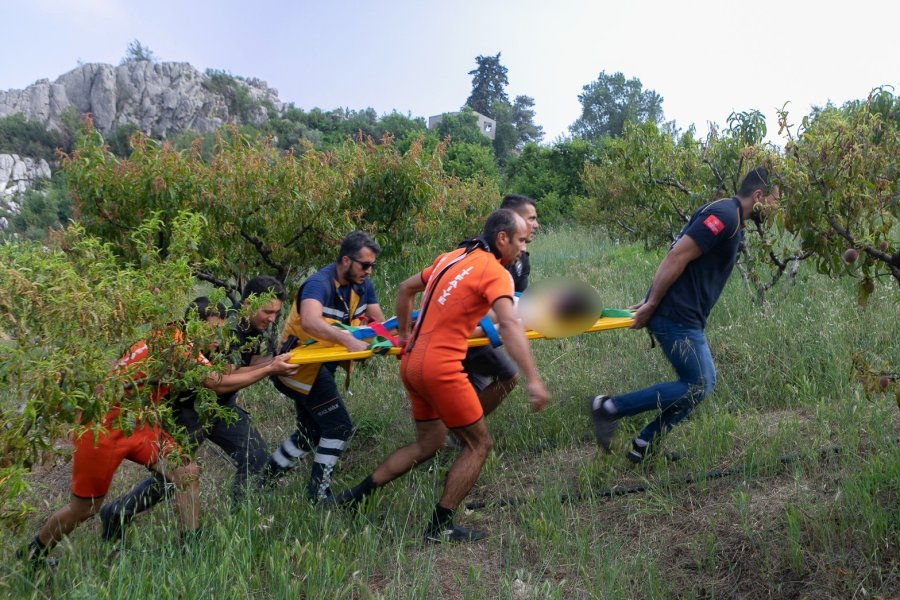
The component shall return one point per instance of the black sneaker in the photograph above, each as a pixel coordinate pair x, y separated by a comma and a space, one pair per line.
453, 533
605, 424
36, 558
639, 453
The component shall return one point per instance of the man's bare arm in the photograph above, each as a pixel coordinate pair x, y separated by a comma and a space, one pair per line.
520, 351
315, 325
246, 376
406, 294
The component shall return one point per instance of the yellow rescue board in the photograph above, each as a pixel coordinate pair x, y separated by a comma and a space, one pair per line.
315, 353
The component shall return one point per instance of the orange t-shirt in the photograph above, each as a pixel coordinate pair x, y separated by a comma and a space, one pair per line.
456, 301
130, 364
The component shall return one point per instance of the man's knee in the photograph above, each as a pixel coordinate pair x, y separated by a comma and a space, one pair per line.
707, 383
337, 426
477, 439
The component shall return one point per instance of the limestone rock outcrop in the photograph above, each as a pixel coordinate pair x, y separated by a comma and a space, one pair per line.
17, 174
159, 98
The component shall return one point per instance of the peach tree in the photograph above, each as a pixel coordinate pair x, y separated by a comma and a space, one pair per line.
268, 211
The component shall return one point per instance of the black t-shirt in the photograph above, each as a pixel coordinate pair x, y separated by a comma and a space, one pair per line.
246, 342
716, 228
520, 270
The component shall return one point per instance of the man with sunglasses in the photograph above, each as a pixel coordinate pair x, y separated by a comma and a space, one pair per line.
341, 293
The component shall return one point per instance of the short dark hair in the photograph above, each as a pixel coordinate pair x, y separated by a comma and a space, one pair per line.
356, 241
206, 309
264, 284
757, 179
516, 201
502, 219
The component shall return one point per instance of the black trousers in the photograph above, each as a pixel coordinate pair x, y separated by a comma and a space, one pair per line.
238, 438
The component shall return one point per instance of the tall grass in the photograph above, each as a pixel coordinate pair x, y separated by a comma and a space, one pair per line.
790, 521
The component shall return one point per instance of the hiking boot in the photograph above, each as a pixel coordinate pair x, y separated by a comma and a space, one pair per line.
605, 424
116, 515
453, 533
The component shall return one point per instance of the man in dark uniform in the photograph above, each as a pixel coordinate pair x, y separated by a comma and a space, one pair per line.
237, 437
686, 286
490, 370
340, 293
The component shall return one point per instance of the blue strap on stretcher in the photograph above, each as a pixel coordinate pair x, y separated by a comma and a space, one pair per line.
490, 332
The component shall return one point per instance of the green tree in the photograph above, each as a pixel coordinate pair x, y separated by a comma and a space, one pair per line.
70, 307
270, 211
505, 135
843, 181
137, 51
462, 127
523, 120
842, 187
119, 139
489, 83
44, 208
401, 126
31, 138
552, 176
610, 101
466, 161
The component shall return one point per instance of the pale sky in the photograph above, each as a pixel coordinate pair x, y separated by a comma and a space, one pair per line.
706, 58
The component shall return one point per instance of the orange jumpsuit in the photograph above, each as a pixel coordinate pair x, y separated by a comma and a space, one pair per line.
455, 300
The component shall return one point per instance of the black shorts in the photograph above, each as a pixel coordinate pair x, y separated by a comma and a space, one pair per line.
484, 365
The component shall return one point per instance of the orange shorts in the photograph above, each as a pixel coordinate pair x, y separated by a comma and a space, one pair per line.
440, 391
94, 464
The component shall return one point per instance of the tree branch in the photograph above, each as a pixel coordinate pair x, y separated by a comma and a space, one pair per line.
265, 254
232, 291
672, 183
716, 172
630, 230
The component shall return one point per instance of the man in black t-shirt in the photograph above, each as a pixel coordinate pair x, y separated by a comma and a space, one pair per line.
237, 437
686, 286
490, 370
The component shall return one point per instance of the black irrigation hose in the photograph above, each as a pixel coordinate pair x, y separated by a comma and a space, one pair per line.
640, 488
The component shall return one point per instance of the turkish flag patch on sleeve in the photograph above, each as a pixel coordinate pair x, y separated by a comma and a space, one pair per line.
713, 223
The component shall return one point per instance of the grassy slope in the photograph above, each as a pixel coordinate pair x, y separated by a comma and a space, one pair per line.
812, 527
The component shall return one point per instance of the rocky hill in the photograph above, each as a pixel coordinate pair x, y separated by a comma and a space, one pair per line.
159, 98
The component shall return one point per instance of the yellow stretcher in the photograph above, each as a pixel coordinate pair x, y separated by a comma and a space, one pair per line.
317, 353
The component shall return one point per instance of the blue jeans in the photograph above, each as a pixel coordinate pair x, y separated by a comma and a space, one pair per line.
688, 352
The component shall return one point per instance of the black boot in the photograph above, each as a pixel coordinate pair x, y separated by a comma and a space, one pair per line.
116, 515
34, 555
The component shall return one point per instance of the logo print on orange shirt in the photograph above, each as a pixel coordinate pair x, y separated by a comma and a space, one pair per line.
452, 285
713, 223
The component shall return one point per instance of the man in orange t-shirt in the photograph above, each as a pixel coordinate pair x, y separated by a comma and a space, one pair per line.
459, 289
97, 456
